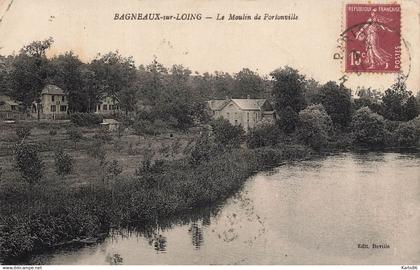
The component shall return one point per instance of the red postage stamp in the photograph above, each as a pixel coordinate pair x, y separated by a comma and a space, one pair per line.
373, 41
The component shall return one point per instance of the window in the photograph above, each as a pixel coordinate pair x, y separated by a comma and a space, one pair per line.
236, 122
53, 108
105, 107
247, 116
52, 98
13, 107
99, 108
63, 108
63, 98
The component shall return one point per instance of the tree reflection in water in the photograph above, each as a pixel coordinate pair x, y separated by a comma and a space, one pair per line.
154, 232
114, 259
158, 242
196, 233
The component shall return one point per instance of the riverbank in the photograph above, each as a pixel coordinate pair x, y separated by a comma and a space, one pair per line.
33, 220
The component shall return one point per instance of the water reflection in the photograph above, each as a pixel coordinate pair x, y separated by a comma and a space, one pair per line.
158, 242
197, 237
114, 259
311, 212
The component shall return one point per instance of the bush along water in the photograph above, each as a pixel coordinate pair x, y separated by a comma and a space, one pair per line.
47, 217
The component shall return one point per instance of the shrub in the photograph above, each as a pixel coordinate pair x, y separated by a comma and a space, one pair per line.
202, 150
97, 151
314, 126
29, 163
288, 120
227, 135
63, 162
264, 135
142, 127
23, 132
86, 119
103, 135
52, 132
407, 134
368, 128
114, 168
336, 100
75, 135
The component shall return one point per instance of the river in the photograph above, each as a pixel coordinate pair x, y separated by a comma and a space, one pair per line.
312, 212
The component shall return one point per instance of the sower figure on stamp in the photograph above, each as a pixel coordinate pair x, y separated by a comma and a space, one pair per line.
375, 55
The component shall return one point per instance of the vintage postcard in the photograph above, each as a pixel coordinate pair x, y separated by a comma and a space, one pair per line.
209, 132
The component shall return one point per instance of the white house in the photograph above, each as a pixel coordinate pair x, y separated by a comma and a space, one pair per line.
53, 103
245, 112
107, 105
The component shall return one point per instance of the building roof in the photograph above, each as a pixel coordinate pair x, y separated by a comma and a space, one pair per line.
110, 121
217, 104
246, 104
51, 89
7, 100
250, 104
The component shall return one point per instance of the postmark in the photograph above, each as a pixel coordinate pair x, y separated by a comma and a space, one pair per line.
373, 38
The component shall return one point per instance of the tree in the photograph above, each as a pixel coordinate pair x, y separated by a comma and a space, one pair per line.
288, 90
368, 97
227, 135
336, 100
115, 77
203, 150
248, 84
407, 134
63, 162
75, 135
263, 135
29, 72
66, 71
314, 126
411, 108
97, 151
114, 168
368, 128
398, 104
223, 85
23, 132
287, 119
311, 90
29, 163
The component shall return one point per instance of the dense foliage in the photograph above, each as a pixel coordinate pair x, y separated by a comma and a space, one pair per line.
63, 162
368, 128
86, 119
29, 163
314, 126
227, 135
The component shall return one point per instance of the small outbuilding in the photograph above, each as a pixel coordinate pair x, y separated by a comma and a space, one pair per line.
110, 124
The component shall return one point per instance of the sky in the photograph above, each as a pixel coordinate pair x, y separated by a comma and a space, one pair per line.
307, 44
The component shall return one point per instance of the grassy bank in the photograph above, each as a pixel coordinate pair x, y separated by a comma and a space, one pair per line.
48, 216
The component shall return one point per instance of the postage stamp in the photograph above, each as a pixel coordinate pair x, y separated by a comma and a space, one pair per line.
373, 40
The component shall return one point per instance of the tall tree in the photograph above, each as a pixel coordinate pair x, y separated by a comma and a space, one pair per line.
336, 100
396, 101
115, 76
288, 96
29, 71
65, 71
288, 89
248, 83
